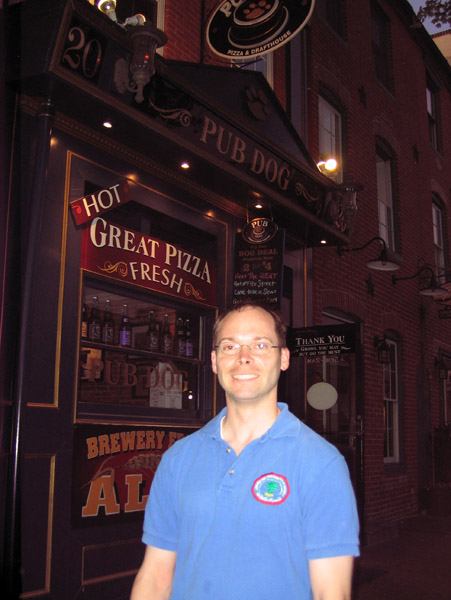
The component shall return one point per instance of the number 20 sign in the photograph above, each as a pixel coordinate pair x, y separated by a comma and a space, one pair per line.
83, 51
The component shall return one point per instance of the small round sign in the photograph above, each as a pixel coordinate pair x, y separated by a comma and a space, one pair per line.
259, 231
322, 395
244, 29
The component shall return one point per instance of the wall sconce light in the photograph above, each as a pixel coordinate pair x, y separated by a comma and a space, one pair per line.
349, 203
382, 263
434, 290
146, 39
327, 166
442, 368
383, 350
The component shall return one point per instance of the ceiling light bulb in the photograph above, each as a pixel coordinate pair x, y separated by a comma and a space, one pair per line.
185, 165
108, 7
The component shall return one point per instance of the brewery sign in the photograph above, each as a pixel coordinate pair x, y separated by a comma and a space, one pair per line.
113, 468
244, 29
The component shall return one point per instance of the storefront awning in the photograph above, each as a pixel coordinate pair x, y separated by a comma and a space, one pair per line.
226, 121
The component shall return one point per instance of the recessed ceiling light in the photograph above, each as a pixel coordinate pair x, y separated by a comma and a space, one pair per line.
185, 165
107, 124
323, 242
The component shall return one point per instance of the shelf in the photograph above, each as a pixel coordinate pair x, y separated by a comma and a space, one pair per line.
138, 352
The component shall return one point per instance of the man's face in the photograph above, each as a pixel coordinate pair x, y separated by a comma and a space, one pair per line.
245, 377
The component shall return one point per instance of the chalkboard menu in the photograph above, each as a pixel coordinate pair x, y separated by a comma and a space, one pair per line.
258, 270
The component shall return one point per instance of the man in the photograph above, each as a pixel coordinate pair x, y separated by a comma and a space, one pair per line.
255, 505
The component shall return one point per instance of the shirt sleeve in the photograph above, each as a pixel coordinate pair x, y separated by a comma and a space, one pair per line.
330, 519
161, 525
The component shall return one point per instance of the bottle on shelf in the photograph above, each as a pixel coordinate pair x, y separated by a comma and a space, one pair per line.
189, 349
84, 322
166, 337
152, 337
125, 331
108, 324
180, 339
94, 323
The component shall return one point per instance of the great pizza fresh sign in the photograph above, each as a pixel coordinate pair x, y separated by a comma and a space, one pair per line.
132, 257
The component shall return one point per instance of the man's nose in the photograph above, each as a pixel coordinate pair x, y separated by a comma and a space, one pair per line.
244, 354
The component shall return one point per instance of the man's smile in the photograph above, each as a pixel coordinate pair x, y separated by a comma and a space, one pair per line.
242, 376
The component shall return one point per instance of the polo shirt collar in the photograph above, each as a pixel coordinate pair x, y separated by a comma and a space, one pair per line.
286, 425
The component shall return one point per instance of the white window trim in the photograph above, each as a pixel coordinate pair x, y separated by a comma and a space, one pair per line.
384, 186
439, 241
393, 402
161, 12
334, 135
268, 73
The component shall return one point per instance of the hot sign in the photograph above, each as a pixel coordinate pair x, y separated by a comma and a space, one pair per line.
92, 205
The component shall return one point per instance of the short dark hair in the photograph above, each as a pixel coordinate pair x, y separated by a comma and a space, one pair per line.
279, 325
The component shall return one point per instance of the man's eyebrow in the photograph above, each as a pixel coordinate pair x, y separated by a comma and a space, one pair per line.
257, 338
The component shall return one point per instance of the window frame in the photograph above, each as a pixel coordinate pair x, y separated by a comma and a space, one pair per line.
439, 239
260, 60
335, 140
386, 196
381, 46
392, 371
433, 113
333, 12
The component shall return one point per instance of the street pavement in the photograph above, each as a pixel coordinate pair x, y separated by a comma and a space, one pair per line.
416, 565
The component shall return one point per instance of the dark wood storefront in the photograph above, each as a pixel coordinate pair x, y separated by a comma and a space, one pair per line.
92, 415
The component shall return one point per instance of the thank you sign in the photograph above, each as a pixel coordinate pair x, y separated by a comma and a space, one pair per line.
322, 341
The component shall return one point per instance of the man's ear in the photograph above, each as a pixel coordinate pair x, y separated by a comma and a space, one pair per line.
213, 362
284, 359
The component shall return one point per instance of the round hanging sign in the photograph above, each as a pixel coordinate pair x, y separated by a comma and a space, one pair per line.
322, 395
259, 231
246, 28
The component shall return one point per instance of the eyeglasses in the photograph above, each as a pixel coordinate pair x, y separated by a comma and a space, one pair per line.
258, 348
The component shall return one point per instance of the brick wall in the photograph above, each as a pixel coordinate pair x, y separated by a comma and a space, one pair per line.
400, 119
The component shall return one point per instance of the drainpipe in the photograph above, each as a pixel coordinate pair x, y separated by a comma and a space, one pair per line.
45, 117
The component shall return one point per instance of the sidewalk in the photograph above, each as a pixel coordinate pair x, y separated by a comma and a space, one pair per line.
414, 566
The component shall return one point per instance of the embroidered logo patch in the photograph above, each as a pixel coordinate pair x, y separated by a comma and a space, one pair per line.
271, 489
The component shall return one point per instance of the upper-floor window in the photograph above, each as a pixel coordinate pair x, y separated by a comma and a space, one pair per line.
333, 12
391, 404
432, 110
386, 213
330, 135
380, 42
263, 63
439, 238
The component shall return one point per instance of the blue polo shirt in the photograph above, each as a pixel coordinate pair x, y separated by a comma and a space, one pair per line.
245, 527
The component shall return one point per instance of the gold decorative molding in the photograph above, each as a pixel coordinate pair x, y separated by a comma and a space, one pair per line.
72, 127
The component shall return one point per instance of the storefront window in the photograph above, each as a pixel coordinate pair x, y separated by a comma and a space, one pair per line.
138, 355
